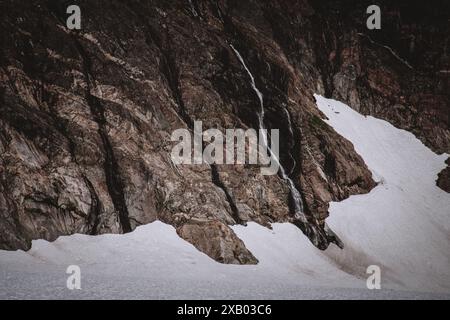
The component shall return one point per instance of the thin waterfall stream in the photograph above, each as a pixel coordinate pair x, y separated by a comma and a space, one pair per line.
298, 203
320, 237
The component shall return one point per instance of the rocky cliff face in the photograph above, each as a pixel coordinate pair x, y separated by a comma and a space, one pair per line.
86, 116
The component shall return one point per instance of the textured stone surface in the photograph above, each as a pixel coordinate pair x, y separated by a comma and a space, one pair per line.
86, 116
218, 240
443, 180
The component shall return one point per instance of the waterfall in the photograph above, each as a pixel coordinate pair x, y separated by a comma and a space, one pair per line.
291, 132
298, 202
252, 82
319, 236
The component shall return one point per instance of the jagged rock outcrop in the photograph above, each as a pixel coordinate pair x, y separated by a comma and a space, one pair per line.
86, 116
218, 240
443, 180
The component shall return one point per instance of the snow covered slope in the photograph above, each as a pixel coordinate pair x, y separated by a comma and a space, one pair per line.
403, 226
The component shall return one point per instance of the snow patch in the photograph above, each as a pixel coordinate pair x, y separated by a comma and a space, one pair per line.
403, 225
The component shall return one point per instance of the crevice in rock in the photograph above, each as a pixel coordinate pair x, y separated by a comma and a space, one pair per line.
218, 182
95, 209
171, 73
21, 237
111, 167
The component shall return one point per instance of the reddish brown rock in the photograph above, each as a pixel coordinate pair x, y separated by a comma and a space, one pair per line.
86, 116
443, 180
218, 241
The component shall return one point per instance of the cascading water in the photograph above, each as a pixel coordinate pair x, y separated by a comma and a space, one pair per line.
298, 203
319, 237
291, 133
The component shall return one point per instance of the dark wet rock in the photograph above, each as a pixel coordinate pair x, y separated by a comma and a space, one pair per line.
443, 180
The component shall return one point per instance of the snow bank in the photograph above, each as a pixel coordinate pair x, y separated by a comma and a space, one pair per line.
402, 226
